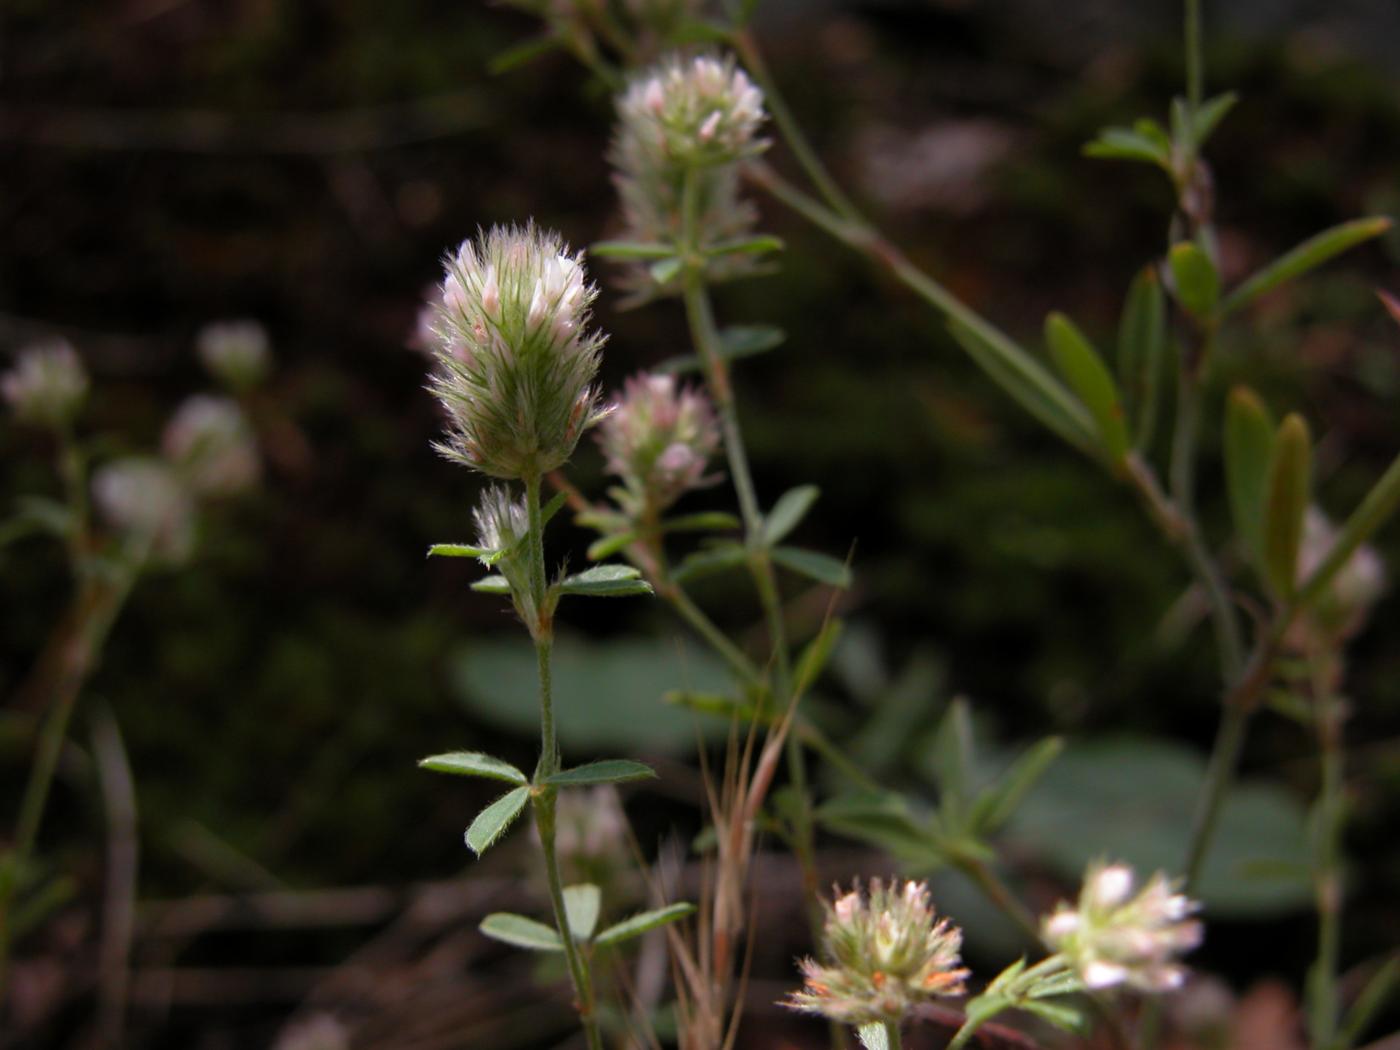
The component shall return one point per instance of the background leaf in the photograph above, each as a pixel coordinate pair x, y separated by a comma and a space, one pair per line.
521, 932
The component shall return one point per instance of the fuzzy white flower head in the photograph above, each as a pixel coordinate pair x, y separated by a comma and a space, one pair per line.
694, 112
1340, 611
885, 952
47, 385
515, 360
212, 445
143, 498
658, 439
1120, 934
236, 353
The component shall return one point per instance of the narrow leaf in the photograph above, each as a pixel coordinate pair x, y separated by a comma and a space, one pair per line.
1249, 444
735, 342
1028, 383
791, 508
605, 581
817, 652
555, 504
458, 550
820, 567
492, 585
666, 270
640, 924
953, 745
1090, 378
607, 771
1286, 502
581, 906
521, 932
998, 804
1142, 340
631, 250
1197, 283
524, 53
1210, 114
705, 521
1309, 255
474, 764
1127, 144
609, 545
1377, 990
747, 246
1066, 1017
1369, 516
708, 562
492, 821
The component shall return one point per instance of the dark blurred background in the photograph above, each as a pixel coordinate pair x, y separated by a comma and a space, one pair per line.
166, 163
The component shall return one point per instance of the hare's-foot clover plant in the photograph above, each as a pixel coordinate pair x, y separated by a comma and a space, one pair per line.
516, 361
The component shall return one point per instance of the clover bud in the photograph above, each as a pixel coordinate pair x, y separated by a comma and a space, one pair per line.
47, 386
144, 498
236, 353
211, 444
659, 438
1120, 934
502, 524
885, 953
515, 360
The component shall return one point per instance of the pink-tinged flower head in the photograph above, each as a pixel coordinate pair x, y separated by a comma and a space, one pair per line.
1121, 933
884, 952
144, 499
515, 359
659, 438
236, 353
694, 112
47, 386
211, 444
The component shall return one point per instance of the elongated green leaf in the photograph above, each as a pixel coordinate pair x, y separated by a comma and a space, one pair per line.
631, 250
1210, 114
736, 343
1127, 144
492, 585
874, 1036
816, 566
709, 561
640, 924
492, 821
1058, 1014
553, 507
610, 545
607, 771
605, 581
997, 805
955, 762
1197, 283
1028, 383
521, 932
1286, 502
474, 764
817, 652
747, 246
1090, 378
1249, 445
1368, 1004
1309, 255
1142, 341
1378, 505
705, 521
458, 550
1155, 133
581, 906
788, 512
720, 704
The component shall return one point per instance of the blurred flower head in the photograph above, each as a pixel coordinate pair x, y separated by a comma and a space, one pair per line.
211, 444
1340, 611
143, 498
515, 359
236, 353
884, 953
690, 112
47, 386
658, 439
591, 833
1123, 934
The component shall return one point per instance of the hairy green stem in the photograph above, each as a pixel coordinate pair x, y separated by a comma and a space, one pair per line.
540, 622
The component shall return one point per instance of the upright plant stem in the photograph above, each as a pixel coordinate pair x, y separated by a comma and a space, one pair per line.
543, 797
892, 1035
1329, 815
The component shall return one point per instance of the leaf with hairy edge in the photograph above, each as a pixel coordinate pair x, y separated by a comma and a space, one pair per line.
605, 581
492, 585
607, 771
1028, 383
474, 764
816, 566
1286, 503
521, 932
1197, 283
492, 821
1090, 378
640, 924
788, 512
1249, 445
458, 550
581, 906
1309, 255
1142, 340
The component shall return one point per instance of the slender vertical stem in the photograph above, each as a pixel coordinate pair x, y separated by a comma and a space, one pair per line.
892, 1035
1329, 815
539, 619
